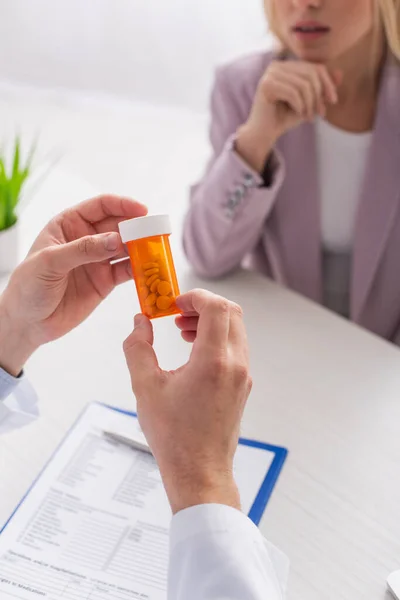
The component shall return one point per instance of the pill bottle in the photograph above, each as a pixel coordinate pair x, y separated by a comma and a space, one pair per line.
147, 240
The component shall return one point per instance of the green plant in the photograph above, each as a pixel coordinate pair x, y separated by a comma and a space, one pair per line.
11, 184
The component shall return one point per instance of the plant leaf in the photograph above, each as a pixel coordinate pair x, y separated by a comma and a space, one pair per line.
3, 185
15, 168
11, 184
8, 217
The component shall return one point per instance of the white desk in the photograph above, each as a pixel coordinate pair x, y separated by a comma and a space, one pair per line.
325, 389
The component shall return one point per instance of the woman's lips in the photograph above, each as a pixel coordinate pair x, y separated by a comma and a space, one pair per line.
310, 30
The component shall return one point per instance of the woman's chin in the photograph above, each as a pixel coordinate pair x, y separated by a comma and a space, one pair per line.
312, 53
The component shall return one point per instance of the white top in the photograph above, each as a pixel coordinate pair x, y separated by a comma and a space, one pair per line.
215, 551
342, 164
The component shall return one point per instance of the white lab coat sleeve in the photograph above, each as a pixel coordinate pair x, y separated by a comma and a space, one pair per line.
18, 402
217, 553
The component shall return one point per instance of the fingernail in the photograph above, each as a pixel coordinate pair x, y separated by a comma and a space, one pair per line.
138, 320
111, 242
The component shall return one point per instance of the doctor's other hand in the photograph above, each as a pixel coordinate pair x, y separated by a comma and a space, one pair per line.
191, 417
66, 274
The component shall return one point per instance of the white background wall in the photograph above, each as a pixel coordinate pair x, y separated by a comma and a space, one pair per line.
161, 51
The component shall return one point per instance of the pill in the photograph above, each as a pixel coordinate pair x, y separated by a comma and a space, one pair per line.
154, 286
164, 288
164, 302
144, 292
150, 272
151, 300
150, 265
150, 280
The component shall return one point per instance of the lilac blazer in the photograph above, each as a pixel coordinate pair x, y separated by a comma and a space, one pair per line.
276, 230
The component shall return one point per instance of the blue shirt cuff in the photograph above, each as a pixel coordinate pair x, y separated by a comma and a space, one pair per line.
8, 383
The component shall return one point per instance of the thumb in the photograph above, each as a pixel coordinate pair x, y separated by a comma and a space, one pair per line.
88, 249
140, 356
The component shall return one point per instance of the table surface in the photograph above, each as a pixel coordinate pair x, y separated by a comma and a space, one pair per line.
323, 388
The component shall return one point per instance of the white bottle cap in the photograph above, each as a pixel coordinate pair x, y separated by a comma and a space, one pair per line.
143, 227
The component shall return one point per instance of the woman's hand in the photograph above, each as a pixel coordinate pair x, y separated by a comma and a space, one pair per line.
289, 93
66, 274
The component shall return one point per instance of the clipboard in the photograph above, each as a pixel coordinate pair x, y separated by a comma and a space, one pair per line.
260, 503
90, 494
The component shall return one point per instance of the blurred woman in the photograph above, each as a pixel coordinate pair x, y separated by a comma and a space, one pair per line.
304, 184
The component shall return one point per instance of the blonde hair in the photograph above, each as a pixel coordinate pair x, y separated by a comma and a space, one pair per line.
389, 12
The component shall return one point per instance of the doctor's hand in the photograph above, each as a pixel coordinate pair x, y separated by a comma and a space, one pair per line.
191, 417
66, 274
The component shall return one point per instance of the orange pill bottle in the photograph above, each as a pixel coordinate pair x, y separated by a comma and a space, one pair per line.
147, 240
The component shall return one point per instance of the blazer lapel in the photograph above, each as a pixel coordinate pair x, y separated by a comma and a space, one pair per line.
298, 212
380, 197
